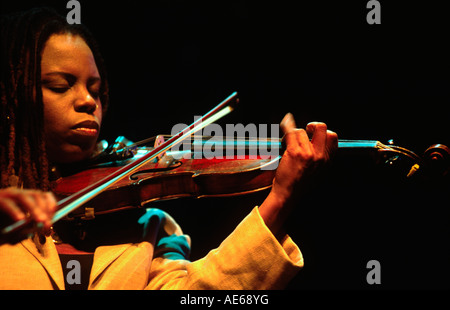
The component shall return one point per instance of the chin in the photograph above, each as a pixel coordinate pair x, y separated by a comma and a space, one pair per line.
71, 154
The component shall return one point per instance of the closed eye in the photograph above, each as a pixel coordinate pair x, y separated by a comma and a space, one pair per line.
58, 90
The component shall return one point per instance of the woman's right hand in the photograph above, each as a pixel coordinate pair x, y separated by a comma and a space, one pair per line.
19, 204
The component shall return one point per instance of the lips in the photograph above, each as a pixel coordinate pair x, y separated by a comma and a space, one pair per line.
89, 128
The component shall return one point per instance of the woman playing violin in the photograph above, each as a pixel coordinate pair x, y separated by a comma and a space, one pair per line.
54, 93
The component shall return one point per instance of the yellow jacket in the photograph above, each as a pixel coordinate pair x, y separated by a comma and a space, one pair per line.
250, 258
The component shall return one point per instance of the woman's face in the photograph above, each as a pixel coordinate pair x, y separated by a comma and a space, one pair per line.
70, 89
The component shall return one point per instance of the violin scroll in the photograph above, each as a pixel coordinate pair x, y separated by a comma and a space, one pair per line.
437, 160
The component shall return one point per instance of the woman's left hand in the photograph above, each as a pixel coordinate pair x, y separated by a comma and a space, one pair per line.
297, 169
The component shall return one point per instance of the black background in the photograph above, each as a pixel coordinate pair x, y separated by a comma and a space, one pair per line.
170, 60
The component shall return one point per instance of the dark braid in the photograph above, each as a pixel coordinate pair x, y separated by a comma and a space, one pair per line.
23, 159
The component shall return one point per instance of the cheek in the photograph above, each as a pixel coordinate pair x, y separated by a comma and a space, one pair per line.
99, 113
52, 114
51, 124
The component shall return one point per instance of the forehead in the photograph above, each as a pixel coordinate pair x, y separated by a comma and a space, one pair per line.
67, 52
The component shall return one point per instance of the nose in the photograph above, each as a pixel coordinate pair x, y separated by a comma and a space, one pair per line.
84, 102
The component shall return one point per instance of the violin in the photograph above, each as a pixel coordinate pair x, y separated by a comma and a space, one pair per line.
155, 169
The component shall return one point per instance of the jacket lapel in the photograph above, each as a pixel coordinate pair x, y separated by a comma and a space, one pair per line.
103, 257
47, 255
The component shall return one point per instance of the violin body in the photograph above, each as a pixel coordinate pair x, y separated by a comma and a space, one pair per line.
168, 178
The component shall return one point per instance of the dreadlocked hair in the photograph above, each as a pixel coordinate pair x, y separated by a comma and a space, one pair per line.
23, 158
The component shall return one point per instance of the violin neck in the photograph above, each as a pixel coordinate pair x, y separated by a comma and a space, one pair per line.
254, 143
